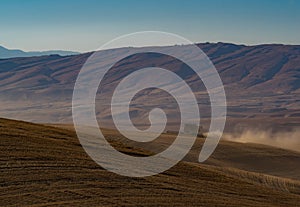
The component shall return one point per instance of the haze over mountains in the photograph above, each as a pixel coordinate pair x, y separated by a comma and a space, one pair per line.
46, 165
261, 83
11, 53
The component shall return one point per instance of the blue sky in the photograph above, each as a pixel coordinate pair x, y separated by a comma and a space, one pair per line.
85, 25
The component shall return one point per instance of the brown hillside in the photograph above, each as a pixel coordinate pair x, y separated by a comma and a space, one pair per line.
46, 166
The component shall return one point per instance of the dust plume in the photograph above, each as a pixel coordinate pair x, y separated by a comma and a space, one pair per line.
287, 140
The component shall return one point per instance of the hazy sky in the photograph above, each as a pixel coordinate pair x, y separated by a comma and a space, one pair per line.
85, 25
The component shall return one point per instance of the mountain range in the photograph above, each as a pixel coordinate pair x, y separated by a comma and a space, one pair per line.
261, 82
11, 53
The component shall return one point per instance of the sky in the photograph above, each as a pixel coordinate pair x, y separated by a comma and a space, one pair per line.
85, 25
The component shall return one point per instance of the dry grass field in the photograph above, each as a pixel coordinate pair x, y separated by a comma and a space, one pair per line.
46, 166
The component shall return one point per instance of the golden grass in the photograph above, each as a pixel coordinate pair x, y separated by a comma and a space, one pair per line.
278, 183
46, 166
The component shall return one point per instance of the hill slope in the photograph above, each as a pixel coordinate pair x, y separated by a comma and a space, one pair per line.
42, 165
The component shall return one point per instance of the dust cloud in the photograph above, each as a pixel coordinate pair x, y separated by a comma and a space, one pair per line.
286, 140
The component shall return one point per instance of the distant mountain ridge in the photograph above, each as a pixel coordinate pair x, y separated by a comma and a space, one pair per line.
261, 82
12, 53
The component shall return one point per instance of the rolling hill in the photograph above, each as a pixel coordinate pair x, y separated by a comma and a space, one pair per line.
44, 165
